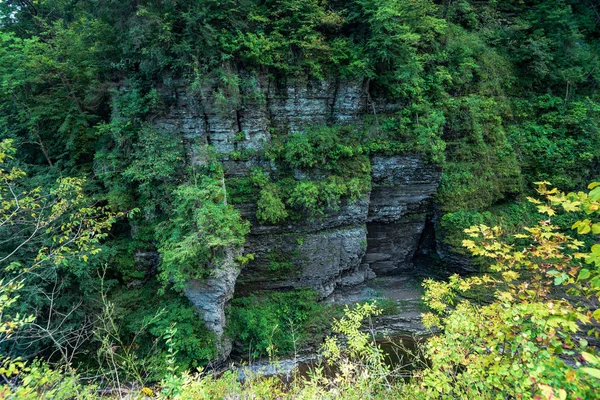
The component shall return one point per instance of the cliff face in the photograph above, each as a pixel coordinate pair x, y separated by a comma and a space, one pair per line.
258, 106
401, 199
375, 235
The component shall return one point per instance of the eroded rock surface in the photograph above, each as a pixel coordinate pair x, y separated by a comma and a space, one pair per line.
243, 121
376, 235
212, 295
401, 199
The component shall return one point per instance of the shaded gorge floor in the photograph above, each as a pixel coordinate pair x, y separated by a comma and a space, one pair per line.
397, 330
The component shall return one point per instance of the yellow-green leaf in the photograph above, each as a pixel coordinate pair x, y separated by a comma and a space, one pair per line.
591, 371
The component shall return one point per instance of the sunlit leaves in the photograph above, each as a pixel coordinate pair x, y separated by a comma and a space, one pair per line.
524, 317
42, 227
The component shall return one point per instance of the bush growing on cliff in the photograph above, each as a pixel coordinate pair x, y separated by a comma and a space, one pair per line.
333, 166
202, 228
271, 208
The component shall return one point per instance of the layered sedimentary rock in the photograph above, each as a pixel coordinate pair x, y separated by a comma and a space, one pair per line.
375, 235
403, 187
244, 122
321, 253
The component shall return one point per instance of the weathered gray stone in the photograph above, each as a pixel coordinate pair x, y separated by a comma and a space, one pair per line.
378, 234
401, 197
455, 260
320, 260
211, 296
289, 106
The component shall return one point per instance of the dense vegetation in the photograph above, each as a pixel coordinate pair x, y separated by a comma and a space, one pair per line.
500, 94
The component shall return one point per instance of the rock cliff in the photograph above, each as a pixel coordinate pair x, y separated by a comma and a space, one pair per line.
375, 235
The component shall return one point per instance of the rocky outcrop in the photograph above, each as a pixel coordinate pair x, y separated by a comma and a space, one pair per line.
211, 296
244, 121
317, 253
320, 260
376, 235
401, 199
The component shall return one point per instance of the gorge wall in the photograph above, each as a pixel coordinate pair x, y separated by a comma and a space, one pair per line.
375, 235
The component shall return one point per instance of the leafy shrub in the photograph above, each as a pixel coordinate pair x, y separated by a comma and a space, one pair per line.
37, 380
516, 344
201, 227
263, 324
271, 208
305, 196
141, 308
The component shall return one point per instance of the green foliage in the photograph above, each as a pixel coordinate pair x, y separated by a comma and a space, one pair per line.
52, 89
323, 148
318, 148
38, 380
517, 344
559, 139
281, 263
513, 217
500, 94
263, 324
482, 168
332, 165
358, 344
240, 190
201, 228
271, 208
145, 319
156, 159
138, 163
47, 236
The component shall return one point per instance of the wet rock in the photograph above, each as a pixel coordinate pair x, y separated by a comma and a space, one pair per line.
454, 259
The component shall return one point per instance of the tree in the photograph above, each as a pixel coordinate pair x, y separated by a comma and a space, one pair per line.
527, 340
41, 232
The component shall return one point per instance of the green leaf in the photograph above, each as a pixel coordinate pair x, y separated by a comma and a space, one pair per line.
590, 358
584, 274
591, 371
593, 185
584, 227
558, 280
595, 194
